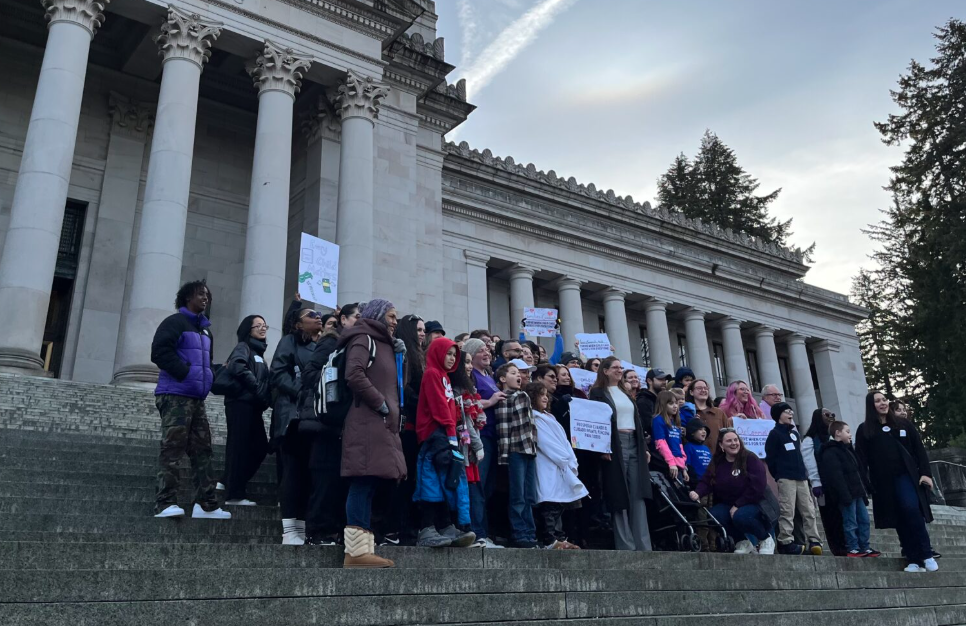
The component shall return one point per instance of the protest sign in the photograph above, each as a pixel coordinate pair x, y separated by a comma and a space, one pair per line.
590, 425
583, 379
540, 322
593, 345
319, 271
754, 433
641, 371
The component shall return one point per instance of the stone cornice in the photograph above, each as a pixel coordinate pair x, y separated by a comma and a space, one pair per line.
279, 69
187, 36
374, 23
795, 256
86, 13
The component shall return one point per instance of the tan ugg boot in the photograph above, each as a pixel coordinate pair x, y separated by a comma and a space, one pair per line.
360, 550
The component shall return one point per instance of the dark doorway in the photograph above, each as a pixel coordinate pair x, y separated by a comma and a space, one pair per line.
62, 291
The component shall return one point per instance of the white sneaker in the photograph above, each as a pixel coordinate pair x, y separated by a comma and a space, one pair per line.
239, 502
176, 511
931, 565
914, 568
744, 547
766, 546
220, 487
489, 544
291, 538
479, 543
203, 514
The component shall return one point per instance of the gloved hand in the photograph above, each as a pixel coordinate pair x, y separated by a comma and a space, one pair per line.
398, 346
384, 409
566, 398
818, 492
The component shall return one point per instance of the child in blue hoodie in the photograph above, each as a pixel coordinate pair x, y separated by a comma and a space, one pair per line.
698, 454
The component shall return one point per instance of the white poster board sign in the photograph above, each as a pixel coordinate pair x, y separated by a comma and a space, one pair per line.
319, 271
641, 371
590, 425
540, 322
583, 379
593, 345
754, 433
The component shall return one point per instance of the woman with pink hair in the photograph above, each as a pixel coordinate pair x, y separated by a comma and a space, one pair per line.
739, 402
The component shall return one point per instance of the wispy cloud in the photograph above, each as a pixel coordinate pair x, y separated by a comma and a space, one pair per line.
468, 28
509, 43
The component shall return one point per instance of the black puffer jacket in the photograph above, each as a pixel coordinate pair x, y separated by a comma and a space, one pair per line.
842, 480
246, 365
286, 381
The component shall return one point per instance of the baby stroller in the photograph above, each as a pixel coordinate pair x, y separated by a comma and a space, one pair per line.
676, 518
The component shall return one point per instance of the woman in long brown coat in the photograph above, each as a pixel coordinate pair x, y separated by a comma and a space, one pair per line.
371, 448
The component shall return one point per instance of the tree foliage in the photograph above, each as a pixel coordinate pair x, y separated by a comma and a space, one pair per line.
716, 189
920, 281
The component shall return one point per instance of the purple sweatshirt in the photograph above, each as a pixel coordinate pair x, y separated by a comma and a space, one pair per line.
746, 488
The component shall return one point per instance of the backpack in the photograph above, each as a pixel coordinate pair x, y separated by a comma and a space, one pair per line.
333, 398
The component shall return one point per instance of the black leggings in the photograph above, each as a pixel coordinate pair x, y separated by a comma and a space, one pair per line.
246, 449
293, 491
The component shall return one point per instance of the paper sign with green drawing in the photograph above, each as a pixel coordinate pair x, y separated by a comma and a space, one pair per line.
319, 271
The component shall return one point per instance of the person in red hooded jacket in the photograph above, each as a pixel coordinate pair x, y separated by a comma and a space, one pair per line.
440, 471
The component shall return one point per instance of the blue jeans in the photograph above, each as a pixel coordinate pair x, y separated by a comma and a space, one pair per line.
358, 504
481, 491
910, 524
855, 524
748, 521
523, 497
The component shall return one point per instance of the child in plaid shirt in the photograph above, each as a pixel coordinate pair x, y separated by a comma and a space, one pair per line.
518, 448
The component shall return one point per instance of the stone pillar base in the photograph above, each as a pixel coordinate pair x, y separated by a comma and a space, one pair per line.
23, 362
137, 376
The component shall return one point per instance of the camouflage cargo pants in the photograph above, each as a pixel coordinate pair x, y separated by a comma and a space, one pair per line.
184, 430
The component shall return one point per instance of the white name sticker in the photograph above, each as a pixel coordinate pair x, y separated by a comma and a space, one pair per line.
902, 433
259, 359
792, 435
886, 429
790, 447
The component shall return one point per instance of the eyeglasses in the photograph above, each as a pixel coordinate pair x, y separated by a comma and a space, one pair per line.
260, 327
313, 314
773, 394
828, 414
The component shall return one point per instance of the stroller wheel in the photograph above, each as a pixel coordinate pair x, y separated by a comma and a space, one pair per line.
731, 544
695, 542
721, 544
684, 543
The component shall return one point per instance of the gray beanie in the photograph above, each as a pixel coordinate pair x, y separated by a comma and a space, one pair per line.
376, 309
472, 346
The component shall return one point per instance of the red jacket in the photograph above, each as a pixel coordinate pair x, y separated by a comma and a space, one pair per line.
437, 404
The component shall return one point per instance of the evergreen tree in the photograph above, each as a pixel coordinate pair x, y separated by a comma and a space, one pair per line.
923, 236
719, 191
876, 333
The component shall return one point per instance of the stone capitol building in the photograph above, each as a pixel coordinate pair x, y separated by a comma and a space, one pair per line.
144, 143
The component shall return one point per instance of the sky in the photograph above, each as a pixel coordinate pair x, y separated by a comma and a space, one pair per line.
609, 91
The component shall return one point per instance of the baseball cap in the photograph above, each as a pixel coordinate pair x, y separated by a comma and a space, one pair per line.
522, 365
658, 374
567, 357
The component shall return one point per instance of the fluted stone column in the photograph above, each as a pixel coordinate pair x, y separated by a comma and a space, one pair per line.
736, 367
615, 323
477, 303
184, 42
37, 214
358, 104
277, 73
571, 310
521, 296
768, 357
699, 358
658, 337
801, 375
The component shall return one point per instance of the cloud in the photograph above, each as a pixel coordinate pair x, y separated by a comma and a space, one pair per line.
468, 27
509, 43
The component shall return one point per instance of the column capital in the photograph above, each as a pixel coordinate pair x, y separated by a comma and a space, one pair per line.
795, 339
730, 322
473, 257
521, 271
279, 69
565, 283
764, 331
187, 36
130, 117
86, 13
321, 121
612, 294
692, 314
655, 305
360, 96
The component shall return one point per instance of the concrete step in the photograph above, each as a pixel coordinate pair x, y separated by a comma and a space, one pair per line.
24, 490
104, 479
40, 468
268, 510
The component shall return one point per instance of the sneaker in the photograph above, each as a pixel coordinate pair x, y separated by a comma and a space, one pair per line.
487, 543
321, 540
767, 545
556, 545
459, 538
855, 554
936, 555
479, 543
200, 513
815, 549
794, 549
239, 502
931, 565
744, 547
525, 545
429, 537
220, 487
914, 568
172, 510
871, 553
391, 539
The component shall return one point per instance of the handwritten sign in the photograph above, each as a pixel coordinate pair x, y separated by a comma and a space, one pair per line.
593, 345
319, 271
641, 371
754, 433
540, 322
590, 425
583, 379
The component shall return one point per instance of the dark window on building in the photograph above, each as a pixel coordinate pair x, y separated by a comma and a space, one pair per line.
62, 289
600, 324
682, 351
645, 349
786, 379
720, 374
751, 357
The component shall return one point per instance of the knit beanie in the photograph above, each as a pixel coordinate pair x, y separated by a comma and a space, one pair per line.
472, 346
376, 309
778, 409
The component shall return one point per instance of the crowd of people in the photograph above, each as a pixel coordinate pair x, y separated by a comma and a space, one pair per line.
466, 442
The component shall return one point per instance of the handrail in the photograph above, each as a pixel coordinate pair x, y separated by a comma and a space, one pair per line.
948, 463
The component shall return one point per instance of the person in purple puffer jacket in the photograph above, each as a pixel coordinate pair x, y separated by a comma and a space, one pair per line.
182, 351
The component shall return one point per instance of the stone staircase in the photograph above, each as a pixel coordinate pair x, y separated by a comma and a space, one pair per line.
78, 546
